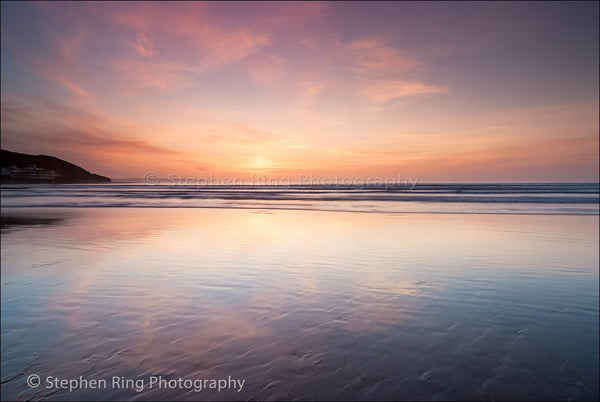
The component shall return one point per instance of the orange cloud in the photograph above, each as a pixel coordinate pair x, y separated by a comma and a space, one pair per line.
233, 132
82, 137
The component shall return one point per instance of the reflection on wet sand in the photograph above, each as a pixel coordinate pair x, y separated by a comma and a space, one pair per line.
303, 304
10, 221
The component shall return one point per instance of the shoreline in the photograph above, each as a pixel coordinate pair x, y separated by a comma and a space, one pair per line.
263, 208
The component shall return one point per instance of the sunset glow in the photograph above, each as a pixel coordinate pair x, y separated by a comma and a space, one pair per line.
440, 91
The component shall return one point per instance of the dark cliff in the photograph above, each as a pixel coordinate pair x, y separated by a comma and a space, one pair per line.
67, 172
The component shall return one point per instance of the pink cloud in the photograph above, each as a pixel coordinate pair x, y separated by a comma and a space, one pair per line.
59, 66
384, 91
266, 68
76, 89
192, 38
370, 55
132, 43
145, 46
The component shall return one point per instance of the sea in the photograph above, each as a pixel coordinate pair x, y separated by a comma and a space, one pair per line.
433, 291
527, 198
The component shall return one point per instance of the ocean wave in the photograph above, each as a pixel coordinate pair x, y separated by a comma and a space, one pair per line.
563, 198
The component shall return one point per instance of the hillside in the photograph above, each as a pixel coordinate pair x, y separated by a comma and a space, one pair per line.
66, 171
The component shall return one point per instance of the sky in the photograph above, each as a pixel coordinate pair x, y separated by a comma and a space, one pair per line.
439, 91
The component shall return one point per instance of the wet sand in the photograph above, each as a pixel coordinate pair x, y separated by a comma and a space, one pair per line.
300, 304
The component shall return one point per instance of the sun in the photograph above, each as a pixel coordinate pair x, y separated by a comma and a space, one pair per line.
259, 162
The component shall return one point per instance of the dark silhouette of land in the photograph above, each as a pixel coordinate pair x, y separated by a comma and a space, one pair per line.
43, 169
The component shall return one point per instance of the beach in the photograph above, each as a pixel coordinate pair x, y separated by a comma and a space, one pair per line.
298, 304
347, 201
